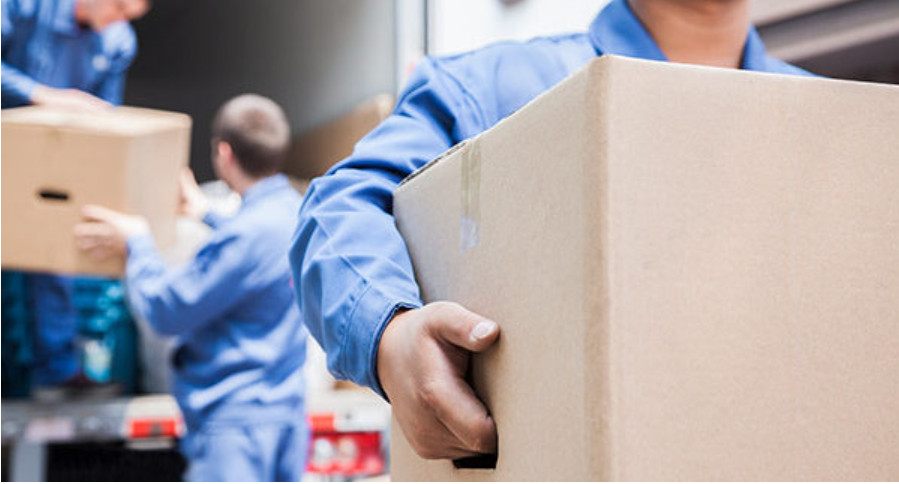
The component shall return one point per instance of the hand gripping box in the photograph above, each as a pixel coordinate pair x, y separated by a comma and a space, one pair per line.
54, 162
696, 272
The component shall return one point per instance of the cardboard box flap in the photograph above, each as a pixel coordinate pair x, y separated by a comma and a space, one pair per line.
314, 151
458, 146
124, 121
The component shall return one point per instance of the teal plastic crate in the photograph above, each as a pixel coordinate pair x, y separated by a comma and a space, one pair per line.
108, 336
17, 343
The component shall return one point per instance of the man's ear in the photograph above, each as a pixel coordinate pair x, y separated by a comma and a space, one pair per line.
224, 149
224, 156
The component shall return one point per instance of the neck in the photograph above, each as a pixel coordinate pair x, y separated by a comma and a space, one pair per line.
243, 185
81, 12
705, 32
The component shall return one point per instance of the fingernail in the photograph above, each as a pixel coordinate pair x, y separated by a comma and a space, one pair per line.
482, 329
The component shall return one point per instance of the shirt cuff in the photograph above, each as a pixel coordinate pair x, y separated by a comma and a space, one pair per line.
374, 306
27, 86
213, 219
139, 245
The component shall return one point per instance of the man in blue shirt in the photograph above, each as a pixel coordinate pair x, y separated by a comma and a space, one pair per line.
71, 54
355, 282
240, 342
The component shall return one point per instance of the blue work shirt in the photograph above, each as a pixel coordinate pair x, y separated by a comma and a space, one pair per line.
350, 263
43, 44
240, 342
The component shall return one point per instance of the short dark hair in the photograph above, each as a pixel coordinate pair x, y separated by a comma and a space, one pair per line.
257, 130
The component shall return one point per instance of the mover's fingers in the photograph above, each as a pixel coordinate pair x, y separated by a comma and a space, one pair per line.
90, 101
187, 177
98, 213
91, 233
432, 440
184, 181
86, 243
100, 253
463, 414
453, 323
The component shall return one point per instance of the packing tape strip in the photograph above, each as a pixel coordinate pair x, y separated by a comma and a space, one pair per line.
470, 223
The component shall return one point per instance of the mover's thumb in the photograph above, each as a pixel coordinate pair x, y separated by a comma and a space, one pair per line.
464, 328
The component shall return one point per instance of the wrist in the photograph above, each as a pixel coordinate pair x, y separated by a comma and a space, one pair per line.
387, 346
196, 205
38, 94
199, 213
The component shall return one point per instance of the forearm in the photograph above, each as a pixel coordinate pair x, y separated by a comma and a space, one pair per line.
351, 267
179, 300
112, 87
112, 90
353, 274
144, 274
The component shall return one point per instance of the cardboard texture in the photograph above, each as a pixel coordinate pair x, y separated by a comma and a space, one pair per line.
316, 150
695, 270
54, 162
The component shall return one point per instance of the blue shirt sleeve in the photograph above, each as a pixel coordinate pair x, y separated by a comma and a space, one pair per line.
350, 265
122, 40
177, 301
16, 85
214, 219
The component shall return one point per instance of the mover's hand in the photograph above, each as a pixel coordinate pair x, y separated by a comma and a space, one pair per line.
106, 232
72, 99
193, 201
422, 361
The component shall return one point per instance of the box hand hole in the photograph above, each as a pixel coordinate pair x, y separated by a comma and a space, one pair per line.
484, 461
53, 195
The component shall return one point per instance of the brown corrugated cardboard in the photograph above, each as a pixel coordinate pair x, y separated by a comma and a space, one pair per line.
314, 151
695, 270
54, 162
299, 184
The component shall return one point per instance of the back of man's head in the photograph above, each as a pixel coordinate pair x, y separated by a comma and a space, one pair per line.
256, 128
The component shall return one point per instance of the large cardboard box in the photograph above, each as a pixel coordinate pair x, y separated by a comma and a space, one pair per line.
54, 162
315, 151
695, 270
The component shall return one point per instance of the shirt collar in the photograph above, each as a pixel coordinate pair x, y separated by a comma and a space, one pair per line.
754, 54
618, 31
265, 187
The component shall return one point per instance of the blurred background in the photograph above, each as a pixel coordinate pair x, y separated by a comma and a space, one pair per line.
321, 58
336, 67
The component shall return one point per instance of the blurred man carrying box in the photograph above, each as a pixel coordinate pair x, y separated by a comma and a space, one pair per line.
55, 161
237, 366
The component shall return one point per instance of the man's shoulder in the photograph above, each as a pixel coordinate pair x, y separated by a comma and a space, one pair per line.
559, 52
268, 217
504, 76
